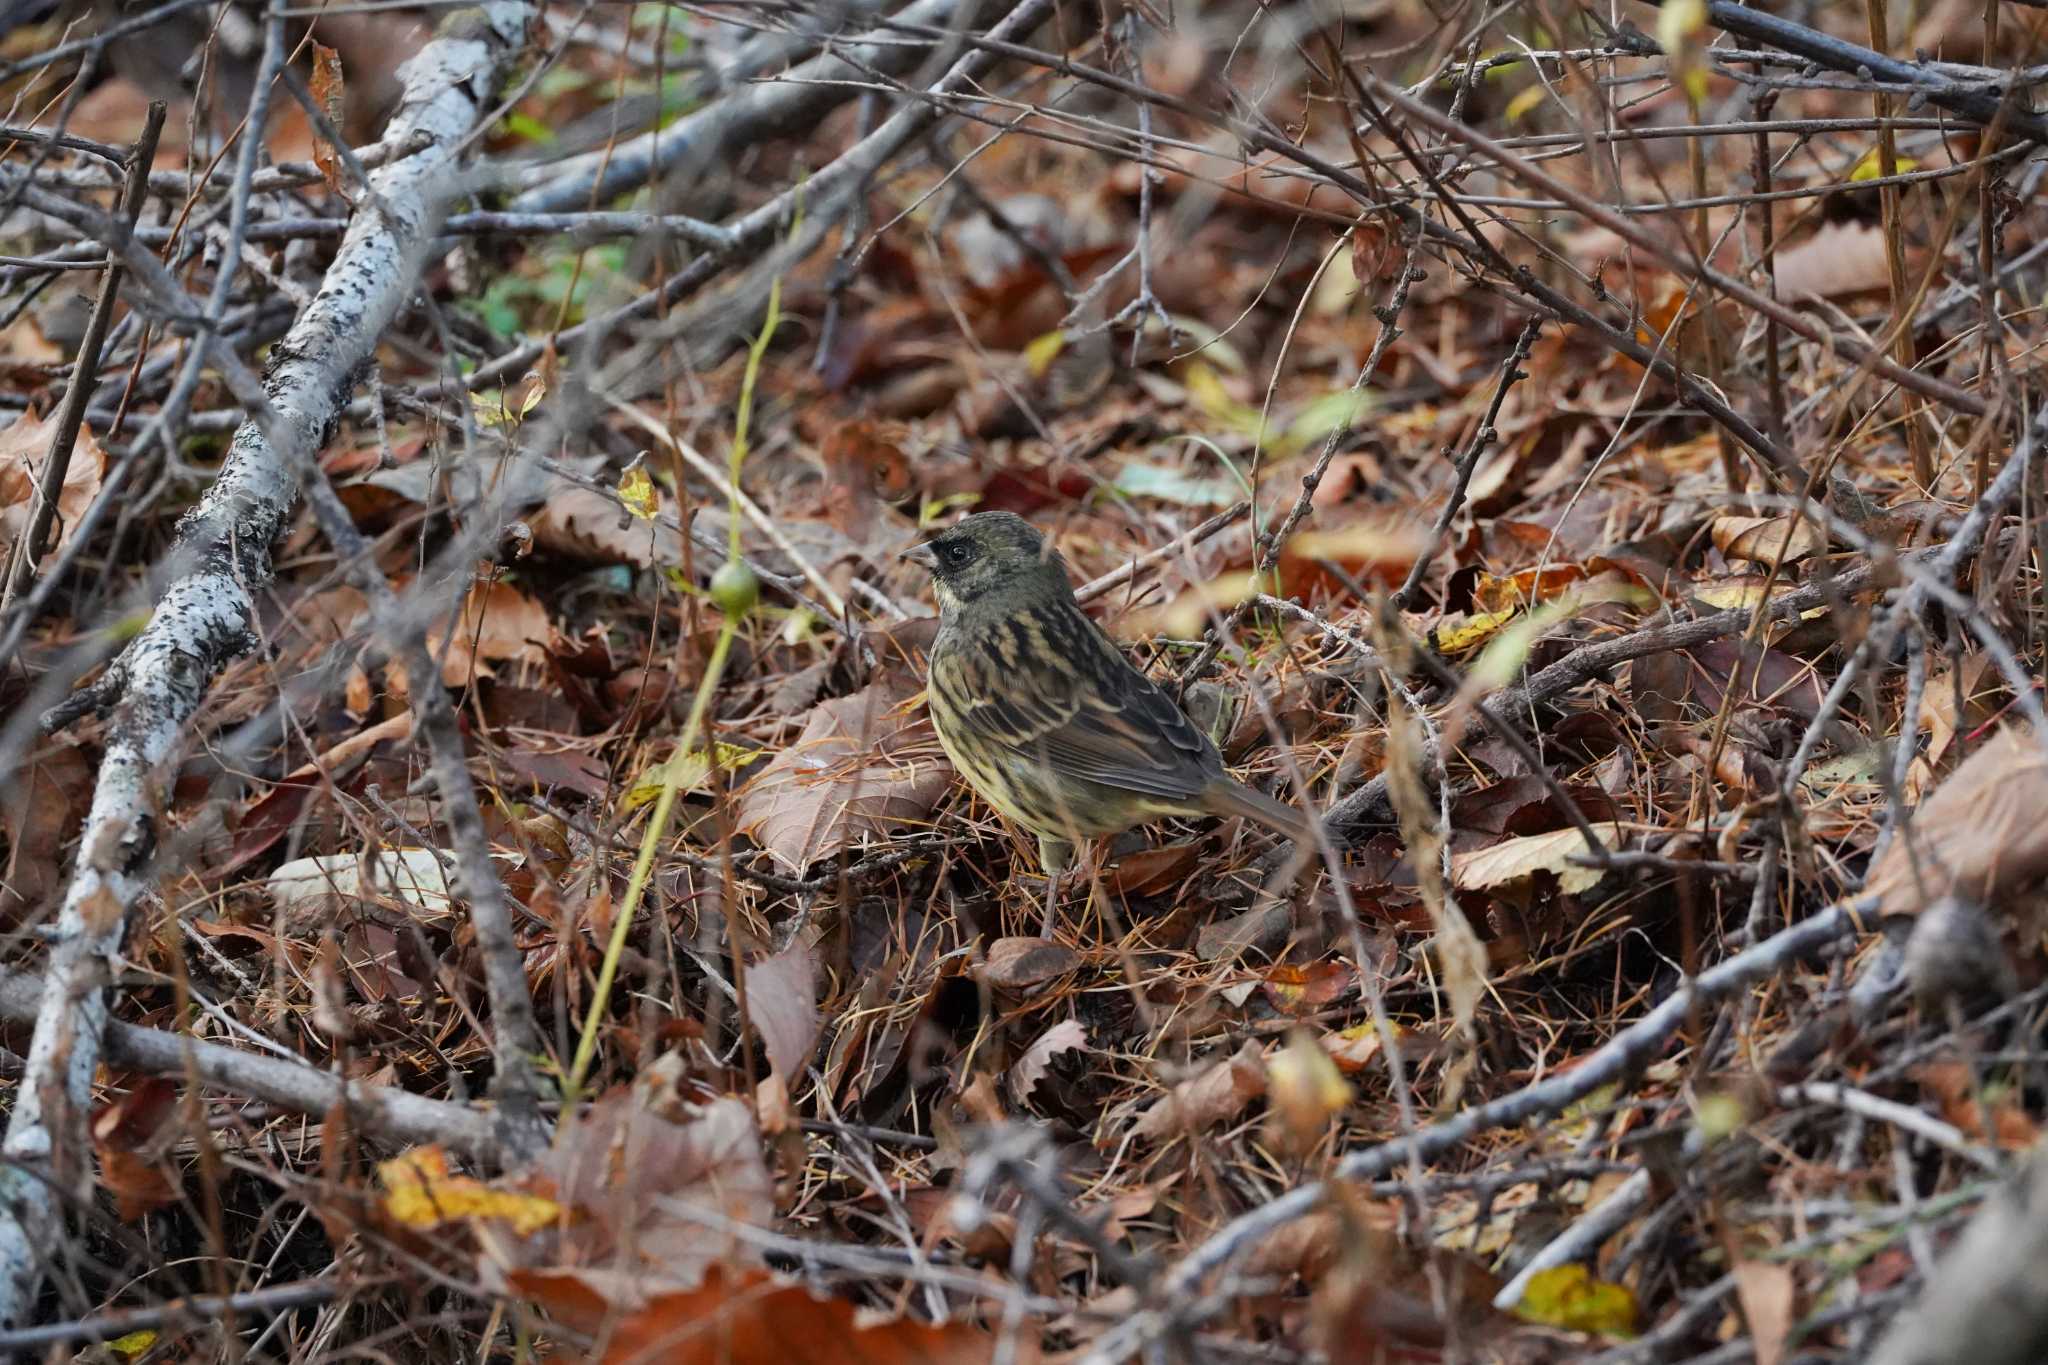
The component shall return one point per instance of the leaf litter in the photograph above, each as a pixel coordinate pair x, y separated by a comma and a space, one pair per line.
849, 1106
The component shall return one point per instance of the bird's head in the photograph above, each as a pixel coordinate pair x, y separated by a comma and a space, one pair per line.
990, 554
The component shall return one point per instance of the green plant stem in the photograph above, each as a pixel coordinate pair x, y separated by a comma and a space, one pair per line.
657, 823
643, 865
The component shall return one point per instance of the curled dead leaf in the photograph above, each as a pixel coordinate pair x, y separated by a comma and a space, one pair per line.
1514, 860
1217, 1095
1066, 1036
1980, 833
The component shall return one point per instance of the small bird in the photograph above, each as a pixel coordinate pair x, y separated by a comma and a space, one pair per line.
1044, 716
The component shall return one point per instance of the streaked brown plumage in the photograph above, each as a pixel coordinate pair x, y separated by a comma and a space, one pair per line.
1044, 716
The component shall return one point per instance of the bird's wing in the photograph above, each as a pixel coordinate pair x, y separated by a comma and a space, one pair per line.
1049, 686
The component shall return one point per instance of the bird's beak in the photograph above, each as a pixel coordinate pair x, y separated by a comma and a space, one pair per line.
921, 554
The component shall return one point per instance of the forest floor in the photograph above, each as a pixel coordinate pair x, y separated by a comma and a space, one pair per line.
1597, 467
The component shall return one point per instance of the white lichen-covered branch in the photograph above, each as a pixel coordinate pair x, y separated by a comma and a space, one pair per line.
222, 555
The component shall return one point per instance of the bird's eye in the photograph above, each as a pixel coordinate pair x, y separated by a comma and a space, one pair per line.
956, 554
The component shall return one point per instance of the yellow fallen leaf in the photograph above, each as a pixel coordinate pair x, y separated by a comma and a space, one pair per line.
1473, 631
1208, 393
636, 491
1041, 351
420, 1193
1520, 106
691, 772
1305, 1090
1568, 1296
1870, 166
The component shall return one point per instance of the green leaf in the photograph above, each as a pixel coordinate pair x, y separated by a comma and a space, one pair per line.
1170, 484
528, 128
1332, 412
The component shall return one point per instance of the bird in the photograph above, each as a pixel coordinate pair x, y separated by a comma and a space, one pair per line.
1044, 716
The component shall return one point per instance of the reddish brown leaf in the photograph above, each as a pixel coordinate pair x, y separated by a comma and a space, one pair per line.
1151, 870
125, 1137
1301, 990
751, 1318
328, 92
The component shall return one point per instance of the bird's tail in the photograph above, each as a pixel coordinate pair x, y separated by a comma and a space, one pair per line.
1230, 797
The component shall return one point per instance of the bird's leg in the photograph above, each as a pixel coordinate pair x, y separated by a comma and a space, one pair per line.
1053, 856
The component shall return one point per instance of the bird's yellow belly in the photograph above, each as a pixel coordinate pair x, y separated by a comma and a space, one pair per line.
1019, 789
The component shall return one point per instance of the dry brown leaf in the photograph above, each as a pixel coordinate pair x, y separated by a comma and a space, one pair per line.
583, 523
1760, 540
41, 805
1954, 1086
1513, 860
1023, 965
1354, 1048
860, 767
1841, 258
1769, 1294
782, 1003
24, 446
329, 616
1217, 1095
1149, 871
650, 1203
134, 1168
1304, 989
1066, 1036
1980, 832
498, 623
1939, 721
329, 92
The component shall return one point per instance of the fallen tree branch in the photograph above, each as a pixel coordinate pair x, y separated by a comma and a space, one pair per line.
819, 199
789, 103
222, 556
393, 1116
196, 1311
1973, 103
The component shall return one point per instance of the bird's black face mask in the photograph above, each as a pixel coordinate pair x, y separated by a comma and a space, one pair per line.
990, 552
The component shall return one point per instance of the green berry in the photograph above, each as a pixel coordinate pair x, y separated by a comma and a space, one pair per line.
735, 588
